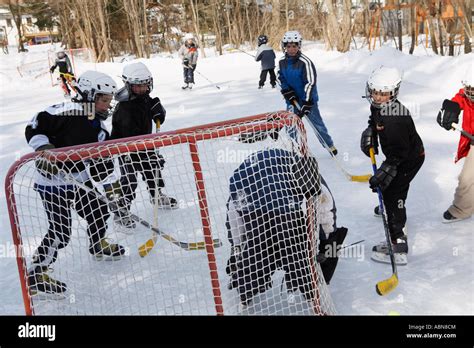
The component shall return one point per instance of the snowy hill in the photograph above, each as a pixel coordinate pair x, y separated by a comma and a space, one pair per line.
439, 278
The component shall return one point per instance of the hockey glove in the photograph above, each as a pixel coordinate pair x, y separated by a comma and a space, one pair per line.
289, 95
305, 109
383, 177
368, 139
43, 165
158, 112
448, 114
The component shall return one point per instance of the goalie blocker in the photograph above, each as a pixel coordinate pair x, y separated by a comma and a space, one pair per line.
270, 230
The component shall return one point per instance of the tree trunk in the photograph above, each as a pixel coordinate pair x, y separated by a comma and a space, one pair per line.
467, 24
275, 18
15, 9
414, 34
195, 12
338, 31
399, 26
440, 20
101, 8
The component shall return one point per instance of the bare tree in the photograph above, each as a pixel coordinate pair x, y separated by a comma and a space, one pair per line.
15, 7
338, 26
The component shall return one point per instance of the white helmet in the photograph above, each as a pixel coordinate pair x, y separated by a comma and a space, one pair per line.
91, 83
60, 52
468, 84
291, 36
137, 74
383, 79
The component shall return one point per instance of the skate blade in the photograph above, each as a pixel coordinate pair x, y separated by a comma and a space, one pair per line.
168, 207
107, 257
452, 221
400, 259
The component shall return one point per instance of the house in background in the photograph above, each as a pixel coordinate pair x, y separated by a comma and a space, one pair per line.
31, 33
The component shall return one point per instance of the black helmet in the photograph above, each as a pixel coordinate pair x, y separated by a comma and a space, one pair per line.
262, 39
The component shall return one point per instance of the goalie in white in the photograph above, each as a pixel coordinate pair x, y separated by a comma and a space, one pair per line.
268, 227
62, 125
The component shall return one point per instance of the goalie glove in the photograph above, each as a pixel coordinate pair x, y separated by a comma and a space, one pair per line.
448, 114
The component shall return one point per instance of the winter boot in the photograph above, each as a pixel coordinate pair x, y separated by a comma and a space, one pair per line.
40, 281
186, 86
449, 218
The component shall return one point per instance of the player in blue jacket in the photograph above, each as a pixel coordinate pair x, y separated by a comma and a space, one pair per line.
297, 76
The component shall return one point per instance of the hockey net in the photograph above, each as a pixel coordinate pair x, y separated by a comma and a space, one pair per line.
81, 59
217, 174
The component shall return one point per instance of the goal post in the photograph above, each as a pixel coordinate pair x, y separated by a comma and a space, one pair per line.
223, 183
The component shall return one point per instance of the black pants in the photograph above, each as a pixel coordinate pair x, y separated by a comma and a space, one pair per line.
263, 77
58, 202
274, 240
188, 74
147, 164
395, 195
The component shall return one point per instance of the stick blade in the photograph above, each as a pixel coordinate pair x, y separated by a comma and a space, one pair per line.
385, 286
144, 249
361, 178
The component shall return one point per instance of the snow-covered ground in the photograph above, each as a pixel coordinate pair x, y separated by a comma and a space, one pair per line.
439, 278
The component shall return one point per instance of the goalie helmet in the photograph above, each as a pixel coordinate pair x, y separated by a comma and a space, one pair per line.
137, 74
262, 39
383, 80
468, 84
292, 36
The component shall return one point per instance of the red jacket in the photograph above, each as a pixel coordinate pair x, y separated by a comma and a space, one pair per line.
467, 123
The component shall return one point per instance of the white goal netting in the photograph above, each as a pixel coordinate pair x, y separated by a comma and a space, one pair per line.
241, 238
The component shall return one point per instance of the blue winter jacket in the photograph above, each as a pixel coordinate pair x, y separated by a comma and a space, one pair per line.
266, 55
299, 74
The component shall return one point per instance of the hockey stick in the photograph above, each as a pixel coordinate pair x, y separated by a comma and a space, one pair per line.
463, 132
385, 286
113, 206
358, 178
351, 245
251, 55
144, 250
215, 84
